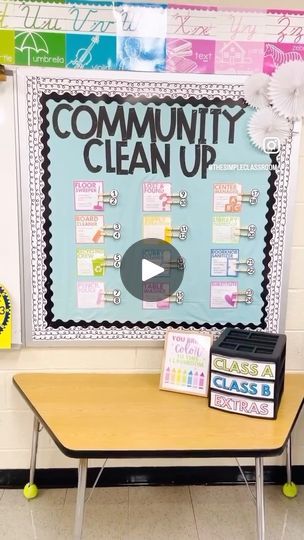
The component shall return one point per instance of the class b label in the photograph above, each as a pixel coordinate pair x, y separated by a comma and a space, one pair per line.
240, 386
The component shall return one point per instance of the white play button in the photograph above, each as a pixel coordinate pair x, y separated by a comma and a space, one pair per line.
150, 270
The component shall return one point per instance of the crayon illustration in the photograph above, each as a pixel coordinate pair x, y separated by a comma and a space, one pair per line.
195, 380
172, 376
189, 378
184, 379
167, 375
178, 376
201, 380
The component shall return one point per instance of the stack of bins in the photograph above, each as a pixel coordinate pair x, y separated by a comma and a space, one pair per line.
247, 372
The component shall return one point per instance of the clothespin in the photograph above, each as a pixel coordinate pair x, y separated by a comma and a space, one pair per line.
2, 73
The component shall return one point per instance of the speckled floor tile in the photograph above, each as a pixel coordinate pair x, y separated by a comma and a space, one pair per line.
152, 513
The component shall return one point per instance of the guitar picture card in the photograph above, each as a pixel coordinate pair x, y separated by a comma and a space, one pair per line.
185, 365
90, 51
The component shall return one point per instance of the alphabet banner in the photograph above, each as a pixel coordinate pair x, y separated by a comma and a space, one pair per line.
107, 162
179, 38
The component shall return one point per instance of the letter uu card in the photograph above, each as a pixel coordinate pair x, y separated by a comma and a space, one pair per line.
186, 362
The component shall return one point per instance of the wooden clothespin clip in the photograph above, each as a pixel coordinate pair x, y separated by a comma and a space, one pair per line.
248, 266
177, 297
2, 73
176, 232
245, 296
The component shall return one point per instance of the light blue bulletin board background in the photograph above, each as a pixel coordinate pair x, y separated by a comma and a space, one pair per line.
67, 165
50, 165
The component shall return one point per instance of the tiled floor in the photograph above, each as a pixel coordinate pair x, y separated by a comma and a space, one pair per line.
152, 513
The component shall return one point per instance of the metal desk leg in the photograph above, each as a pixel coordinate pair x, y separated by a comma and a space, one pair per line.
260, 507
36, 427
289, 489
82, 482
288, 461
30, 490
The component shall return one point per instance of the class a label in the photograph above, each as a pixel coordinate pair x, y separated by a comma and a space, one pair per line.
247, 368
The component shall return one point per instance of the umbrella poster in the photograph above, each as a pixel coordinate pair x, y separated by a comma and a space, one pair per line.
32, 48
185, 365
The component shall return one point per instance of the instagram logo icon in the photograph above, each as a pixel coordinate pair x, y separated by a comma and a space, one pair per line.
271, 145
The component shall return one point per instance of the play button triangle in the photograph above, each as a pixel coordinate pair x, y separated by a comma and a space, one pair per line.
149, 270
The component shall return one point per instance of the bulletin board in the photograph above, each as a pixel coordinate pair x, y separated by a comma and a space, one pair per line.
103, 149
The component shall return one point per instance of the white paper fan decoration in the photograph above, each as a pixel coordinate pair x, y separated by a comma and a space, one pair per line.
286, 90
267, 130
256, 90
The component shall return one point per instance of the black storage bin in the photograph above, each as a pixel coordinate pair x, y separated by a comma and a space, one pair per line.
247, 372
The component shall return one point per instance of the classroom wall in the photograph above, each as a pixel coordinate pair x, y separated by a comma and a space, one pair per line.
15, 418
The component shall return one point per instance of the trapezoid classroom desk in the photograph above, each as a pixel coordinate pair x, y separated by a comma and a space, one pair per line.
127, 416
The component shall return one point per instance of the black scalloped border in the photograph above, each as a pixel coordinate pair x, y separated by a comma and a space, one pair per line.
49, 318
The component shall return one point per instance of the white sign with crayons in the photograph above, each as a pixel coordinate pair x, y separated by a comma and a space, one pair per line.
186, 362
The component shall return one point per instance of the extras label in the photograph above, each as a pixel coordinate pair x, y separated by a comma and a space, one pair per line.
242, 405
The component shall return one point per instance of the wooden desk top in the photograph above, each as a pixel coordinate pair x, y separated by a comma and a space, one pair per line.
101, 415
